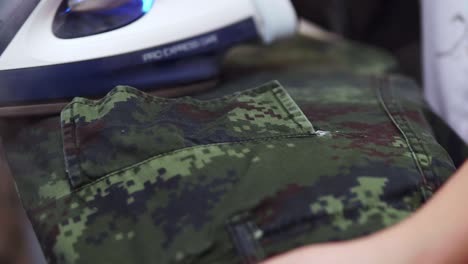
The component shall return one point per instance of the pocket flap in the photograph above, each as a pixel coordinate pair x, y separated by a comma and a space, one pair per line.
128, 126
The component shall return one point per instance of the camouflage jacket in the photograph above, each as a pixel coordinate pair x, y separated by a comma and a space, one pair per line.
331, 150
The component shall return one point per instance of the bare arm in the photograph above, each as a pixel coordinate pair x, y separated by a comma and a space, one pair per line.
437, 233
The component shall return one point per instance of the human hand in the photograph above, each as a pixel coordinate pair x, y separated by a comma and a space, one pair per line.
363, 251
436, 234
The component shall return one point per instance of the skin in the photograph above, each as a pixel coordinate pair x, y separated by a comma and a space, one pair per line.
436, 234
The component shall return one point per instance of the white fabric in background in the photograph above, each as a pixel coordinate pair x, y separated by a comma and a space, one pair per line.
445, 30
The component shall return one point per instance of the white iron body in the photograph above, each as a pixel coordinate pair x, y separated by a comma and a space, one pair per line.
90, 5
178, 22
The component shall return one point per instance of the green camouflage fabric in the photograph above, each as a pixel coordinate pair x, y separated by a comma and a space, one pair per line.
149, 126
236, 175
308, 55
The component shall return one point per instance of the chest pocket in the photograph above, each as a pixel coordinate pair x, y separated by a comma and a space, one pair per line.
128, 126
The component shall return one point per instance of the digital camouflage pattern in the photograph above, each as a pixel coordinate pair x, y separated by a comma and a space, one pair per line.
308, 55
236, 175
146, 126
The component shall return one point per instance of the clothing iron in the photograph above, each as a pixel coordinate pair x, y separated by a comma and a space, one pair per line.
54, 49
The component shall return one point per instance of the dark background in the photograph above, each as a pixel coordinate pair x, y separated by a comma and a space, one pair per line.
394, 25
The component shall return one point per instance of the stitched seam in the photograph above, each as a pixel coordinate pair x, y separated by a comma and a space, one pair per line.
427, 169
249, 140
73, 191
430, 167
71, 136
256, 140
126, 89
287, 99
380, 86
77, 148
274, 87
